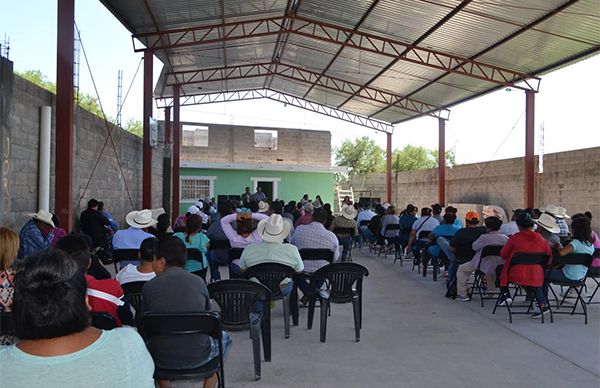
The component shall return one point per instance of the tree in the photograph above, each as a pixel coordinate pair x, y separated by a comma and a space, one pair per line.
362, 157
134, 126
412, 158
450, 157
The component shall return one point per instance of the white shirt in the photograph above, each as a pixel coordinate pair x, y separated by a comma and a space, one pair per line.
131, 274
130, 238
365, 215
426, 224
509, 229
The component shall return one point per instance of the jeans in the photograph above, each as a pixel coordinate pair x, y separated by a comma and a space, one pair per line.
452, 262
367, 234
555, 275
538, 292
346, 243
215, 259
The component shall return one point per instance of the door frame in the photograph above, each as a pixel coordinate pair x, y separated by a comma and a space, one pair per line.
275, 181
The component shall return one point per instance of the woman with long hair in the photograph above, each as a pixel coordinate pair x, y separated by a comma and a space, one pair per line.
9, 247
194, 238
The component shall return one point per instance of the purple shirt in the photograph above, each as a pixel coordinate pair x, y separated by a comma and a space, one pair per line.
235, 240
489, 265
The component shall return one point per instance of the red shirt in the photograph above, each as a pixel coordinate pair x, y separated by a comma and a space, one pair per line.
305, 219
525, 241
105, 295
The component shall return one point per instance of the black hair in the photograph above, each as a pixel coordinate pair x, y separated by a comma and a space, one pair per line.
100, 205
253, 205
49, 297
588, 214
410, 209
277, 207
327, 208
320, 215
582, 230
163, 223
379, 209
437, 208
148, 249
449, 218
225, 208
524, 220
493, 223
92, 203
425, 212
305, 196
299, 205
192, 225
55, 220
77, 249
172, 250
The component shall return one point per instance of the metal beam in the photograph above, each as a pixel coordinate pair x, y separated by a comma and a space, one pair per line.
388, 169
176, 152
331, 33
63, 203
167, 163
529, 149
311, 78
147, 150
442, 162
243, 95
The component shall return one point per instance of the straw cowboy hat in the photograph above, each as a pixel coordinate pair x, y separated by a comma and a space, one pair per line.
263, 207
556, 211
548, 222
349, 212
193, 209
273, 229
140, 219
42, 215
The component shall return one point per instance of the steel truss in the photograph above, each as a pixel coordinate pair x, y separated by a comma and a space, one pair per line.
244, 95
311, 78
330, 33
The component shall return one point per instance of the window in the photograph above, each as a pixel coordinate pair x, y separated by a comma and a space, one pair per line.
264, 138
194, 136
194, 188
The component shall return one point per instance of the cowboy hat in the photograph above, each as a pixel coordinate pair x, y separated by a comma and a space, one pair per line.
556, 211
140, 219
42, 215
263, 207
548, 222
193, 209
273, 229
349, 212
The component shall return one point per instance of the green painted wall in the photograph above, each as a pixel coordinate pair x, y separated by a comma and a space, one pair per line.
291, 186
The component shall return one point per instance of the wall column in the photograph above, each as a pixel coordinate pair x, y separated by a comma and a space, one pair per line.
166, 203
388, 169
176, 151
442, 162
529, 148
63, 196
147, 150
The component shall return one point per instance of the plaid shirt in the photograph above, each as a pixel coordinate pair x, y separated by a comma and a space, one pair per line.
564, 228
315, 236
32, 240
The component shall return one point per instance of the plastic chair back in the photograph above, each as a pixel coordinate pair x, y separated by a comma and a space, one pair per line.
389, 227
491, 250
125, 254
270, 275
219, 244
423, 234
308, 254
103, 321
235, 253
235, 298
342, 278
519, 258
364, 223
339, 230
133, 294
5, 323
195, 254
573, 258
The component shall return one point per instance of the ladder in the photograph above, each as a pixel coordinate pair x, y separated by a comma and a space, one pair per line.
343, 193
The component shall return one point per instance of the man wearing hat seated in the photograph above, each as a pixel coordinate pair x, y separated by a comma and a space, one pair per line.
132, 237
273, 231
549, 229
346, 220
559, 214
37, 234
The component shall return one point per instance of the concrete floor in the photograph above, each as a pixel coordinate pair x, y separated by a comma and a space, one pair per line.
414, 337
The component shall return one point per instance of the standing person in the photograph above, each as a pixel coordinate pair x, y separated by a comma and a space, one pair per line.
346, 220
144, 271
176, 291
259, 195
58, 231
131, 238
58, 348
246, 197
304, 199
306, 218
193, 238
112, 224
94, 224
37, 234
9, 247
347, 201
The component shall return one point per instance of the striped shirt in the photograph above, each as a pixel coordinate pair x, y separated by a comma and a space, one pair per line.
315, 236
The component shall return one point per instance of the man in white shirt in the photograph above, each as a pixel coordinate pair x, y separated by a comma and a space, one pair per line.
511, 228
144, 271
132, 237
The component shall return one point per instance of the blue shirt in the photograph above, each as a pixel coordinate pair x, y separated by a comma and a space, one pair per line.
32, 240
578, 271
199, 241
438, 231
125, 362
112, 223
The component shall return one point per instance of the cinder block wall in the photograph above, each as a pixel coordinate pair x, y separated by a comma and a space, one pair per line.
235, 144
20, 139
570, 179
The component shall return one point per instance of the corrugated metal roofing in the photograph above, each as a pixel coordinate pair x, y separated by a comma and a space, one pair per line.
356, 44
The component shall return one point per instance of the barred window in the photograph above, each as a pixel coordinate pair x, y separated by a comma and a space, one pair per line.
193, 189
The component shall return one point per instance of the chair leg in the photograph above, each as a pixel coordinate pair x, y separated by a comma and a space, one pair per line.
266, 331
255, 331
594, 292
311, 312
435, 262
286, 315
294, 309
324, 308
356, 311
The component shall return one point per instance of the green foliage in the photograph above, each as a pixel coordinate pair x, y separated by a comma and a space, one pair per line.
412, 158
362, 156
134, 126
36, 77
450, 157
90, 104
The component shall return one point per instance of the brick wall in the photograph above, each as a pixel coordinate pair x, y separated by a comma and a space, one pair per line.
570, 179
235, 144
20, 140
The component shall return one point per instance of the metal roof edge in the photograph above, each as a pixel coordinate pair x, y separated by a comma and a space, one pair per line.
262, 167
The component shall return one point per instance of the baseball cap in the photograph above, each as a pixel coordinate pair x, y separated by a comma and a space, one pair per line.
472, 216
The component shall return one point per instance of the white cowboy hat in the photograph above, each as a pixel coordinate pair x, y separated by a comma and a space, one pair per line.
273, 229
263, 207
140, 219
348, 212
562, 213
193, 209
556, 211
42, 215
548, 222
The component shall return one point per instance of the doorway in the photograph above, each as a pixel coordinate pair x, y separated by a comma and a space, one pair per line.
267, 188
270, 186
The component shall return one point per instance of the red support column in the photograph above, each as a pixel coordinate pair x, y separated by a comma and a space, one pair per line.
388, 169
63, 204
147, 150
176, 151
167, 139
442, 162
529, 149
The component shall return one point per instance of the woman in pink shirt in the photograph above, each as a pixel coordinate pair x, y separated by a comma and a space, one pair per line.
245, 235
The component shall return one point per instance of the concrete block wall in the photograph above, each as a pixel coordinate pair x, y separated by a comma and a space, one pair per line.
107, 184
235, 144
570, 179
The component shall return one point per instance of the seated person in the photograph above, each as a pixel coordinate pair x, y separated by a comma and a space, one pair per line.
425, 223
346, 220
9, 248
58, 347
406, 220
488, 266
174, 290
549, 229
531, 277
194, 238
144, 271
459, 250
447, 229
131, 238
245, 234
217, 257
105, 295
390, 218
508, 229
373, 232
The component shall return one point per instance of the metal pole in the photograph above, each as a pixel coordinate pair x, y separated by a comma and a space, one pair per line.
167, 162
63, 204
44, 162
388, 169
176, 150
442, 162
529, 149
147, 150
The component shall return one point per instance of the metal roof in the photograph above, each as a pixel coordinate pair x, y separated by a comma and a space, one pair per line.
387, 60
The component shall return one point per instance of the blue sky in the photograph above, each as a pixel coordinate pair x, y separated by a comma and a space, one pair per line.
565, 106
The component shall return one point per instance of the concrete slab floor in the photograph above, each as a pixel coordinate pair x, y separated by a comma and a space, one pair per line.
414, 337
